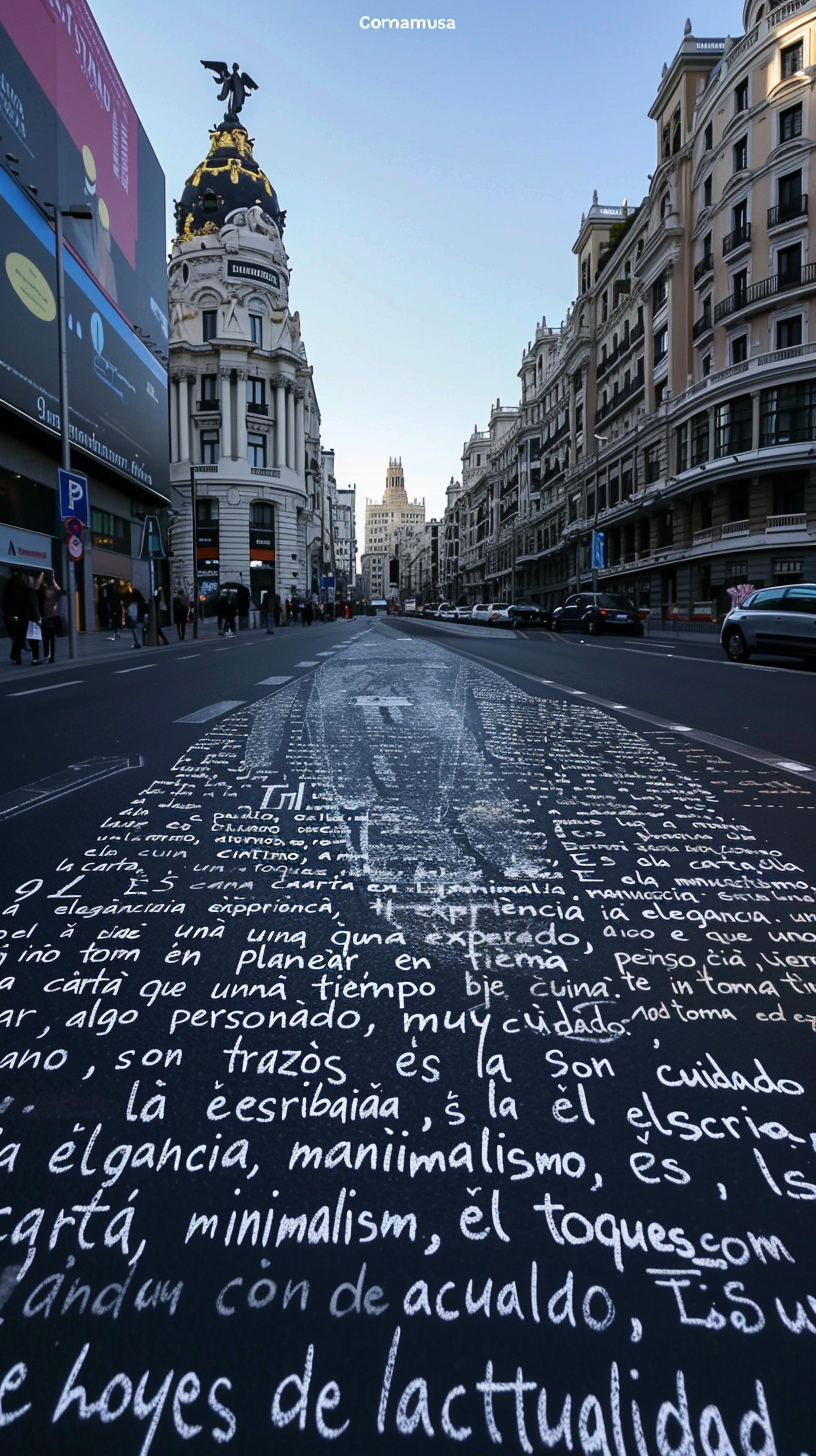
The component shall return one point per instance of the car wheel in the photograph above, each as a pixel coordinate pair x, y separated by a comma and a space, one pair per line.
735, 647
556, 626
593, 626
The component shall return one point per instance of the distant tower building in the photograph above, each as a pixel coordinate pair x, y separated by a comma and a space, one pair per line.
389, 526
243, 409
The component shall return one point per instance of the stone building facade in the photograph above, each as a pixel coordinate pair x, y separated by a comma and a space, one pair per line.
243, 410
675, 409
390, 526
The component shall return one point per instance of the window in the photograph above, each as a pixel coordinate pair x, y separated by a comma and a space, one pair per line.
741, 96
739, 285
210, 447
207, 510
789, 495
681, 438
699, 438
256, 329
739, 501
707, 192
660, 292
111, 533
791, 57
787, 415
800, 599
740, 154
256, 395
661, 345
706, 366
708, 136
733, 426
209, 390
261, 515
740, 226
790, 200
789, 332
789, 265
790, 123
209, 324
256, 451
739, 349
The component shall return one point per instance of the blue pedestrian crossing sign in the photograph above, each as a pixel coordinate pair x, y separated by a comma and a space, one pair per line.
597, 550
74, 499
152, 545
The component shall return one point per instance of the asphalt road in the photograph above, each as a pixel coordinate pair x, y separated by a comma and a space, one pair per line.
406, 1034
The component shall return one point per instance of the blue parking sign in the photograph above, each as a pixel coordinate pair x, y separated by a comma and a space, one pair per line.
74, 500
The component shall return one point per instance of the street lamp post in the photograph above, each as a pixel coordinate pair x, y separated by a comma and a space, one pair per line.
57, 213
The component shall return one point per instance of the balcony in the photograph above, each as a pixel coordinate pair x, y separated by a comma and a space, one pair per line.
795, 522
704, 266
787, 211
702, 326
208, 406
767, 288
257, 409
736, 528
704, 537
736, 239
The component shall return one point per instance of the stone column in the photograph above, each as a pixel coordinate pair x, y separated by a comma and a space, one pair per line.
280, 422
290, 429
226, 415
241, 419
184, 416
300, 438
174, 406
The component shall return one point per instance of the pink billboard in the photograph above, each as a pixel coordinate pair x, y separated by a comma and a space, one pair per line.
61, 44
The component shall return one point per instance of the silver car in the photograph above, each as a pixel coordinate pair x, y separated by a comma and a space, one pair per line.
776, 619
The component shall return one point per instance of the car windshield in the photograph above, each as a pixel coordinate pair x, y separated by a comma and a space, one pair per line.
616, 604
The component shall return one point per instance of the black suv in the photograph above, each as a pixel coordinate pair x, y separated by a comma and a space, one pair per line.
594, 612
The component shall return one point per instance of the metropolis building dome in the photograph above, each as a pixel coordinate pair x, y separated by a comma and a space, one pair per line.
245, 423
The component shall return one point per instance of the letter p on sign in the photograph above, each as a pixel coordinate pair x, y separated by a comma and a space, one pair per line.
73, 491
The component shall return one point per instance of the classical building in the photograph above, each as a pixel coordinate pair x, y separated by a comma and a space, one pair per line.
674, 412
346, 542
245, 421
390, 525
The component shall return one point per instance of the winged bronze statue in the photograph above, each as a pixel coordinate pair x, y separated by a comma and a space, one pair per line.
234, 85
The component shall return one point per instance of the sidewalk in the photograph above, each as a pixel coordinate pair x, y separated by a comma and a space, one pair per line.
98, 647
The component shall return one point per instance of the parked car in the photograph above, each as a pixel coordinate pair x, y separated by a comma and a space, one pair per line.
776, 619
594, 612
525, 614
463, 614
498, 613
480, 612
446, 612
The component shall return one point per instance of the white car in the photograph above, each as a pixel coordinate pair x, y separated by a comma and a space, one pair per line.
445, 612
480, 613
498, 614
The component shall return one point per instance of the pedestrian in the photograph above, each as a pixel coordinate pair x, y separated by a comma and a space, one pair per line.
181, 611
51, 622
133, 616
15, 614
231, 611
267, 614
308, 612
222, 602
33, 628
161, 612
277, 610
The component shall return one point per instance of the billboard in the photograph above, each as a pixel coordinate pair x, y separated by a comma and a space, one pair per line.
68, 121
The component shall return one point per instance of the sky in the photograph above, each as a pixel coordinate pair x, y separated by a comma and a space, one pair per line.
434, 183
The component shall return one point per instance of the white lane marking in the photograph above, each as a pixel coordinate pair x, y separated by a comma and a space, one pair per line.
383, 702
329, 653
307, 664
189, 657
273, 682
143, 666
49, 688
213, 710
221, 649
714, 740
75, 776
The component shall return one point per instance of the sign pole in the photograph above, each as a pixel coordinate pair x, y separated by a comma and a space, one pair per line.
68, 568
194, 509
